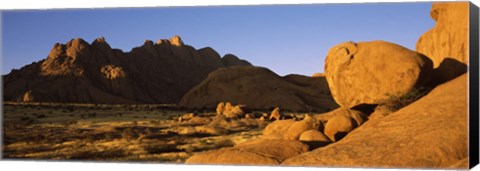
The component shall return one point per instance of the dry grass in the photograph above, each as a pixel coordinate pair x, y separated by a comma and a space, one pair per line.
108, 132
395, 103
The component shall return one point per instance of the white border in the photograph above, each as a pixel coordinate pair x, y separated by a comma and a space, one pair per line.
82, 166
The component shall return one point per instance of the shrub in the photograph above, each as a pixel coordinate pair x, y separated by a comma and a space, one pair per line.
130, 134
395, 103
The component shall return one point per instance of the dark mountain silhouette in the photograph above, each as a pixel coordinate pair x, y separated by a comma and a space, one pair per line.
80, 72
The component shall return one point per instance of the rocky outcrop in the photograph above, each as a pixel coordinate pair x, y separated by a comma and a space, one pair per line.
447, 43
429, 133
339, 126
372, 72
256, 152
260, 89
80, 72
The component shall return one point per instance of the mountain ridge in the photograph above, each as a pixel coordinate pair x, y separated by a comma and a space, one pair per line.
158, 72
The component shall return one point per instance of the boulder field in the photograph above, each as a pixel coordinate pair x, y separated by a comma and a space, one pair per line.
429, 133
365, 78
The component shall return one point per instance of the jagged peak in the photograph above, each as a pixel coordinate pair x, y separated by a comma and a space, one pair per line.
176, 41
148, 43
77, 42
99, 40
57, 50
162, 41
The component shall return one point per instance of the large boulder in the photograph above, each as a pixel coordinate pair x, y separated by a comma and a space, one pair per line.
372, 72
429, 133
277, 130
297, 128
256, 152
447, 44
260, 89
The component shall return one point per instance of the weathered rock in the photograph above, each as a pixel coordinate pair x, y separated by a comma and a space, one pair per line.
211, 130
380, 112
432, 132
314, 135
280, 149
297, 128
339, 126
28, 97
220, 108
447, 43
235, 112
266, 90
228, 107
231, 156
318, 75
79, 72
188, 116
257, 152
357, 115
397, 70
290, 129
277, 130
199, 120
262, 118
275, 114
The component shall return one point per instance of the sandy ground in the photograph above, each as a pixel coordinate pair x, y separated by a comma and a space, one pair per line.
148, 133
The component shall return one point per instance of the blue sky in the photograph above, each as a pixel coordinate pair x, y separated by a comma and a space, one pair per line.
284, 38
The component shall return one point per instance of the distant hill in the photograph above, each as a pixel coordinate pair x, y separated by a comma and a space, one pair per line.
261, 89
79, 72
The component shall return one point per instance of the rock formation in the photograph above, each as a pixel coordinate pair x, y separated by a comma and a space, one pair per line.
447, 43
372, 72
257, 152
80, 72
429, 133
260, 89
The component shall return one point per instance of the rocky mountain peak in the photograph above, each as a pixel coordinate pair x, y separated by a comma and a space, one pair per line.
159, 72
176, 41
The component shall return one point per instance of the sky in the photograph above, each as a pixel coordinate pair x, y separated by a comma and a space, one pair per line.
287, 39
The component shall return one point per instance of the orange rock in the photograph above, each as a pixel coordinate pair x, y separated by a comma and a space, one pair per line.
349, 71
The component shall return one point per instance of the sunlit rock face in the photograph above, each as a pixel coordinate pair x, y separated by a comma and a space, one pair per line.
446, 44
372, 72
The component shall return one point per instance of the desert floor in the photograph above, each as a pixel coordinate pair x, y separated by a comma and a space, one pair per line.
150, 133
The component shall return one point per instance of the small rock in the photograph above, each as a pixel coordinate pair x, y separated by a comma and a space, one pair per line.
212, 130
220, 108
261, 118
228, 106
235, 112
297, 128
314, 135
249, 116
275, 114
338, 126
